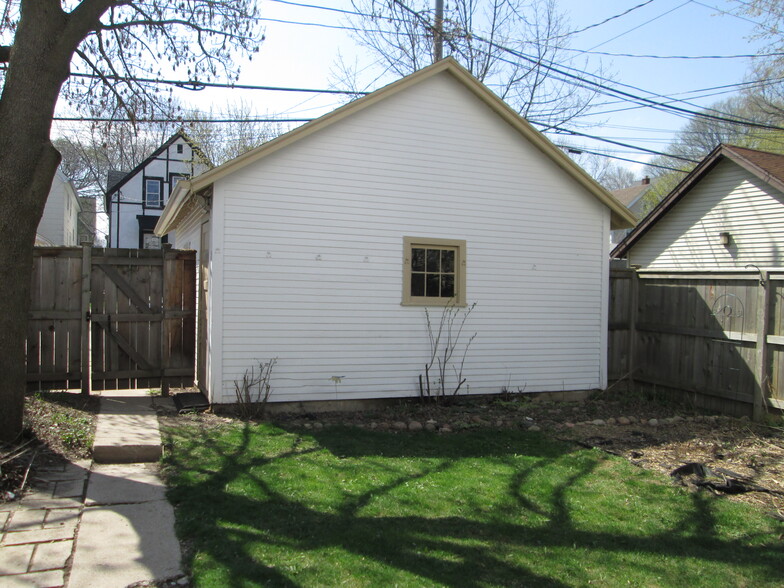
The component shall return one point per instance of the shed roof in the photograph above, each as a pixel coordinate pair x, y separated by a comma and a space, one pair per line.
768, 167
621, 217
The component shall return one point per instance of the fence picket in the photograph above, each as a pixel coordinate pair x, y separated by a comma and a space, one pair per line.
131, 296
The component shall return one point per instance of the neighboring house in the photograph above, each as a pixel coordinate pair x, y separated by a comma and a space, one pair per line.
727, 213
86, 220
632, 198
135, 200
59, 222
324, 247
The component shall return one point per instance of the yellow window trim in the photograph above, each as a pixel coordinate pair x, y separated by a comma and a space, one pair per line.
460, 272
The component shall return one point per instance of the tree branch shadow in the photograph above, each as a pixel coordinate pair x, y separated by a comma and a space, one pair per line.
233, 531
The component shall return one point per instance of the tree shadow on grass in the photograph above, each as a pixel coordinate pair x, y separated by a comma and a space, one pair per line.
248, 529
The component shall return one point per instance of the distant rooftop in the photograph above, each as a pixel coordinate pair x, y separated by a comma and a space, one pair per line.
628, 196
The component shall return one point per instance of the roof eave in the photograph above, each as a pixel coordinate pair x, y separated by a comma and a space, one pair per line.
683, 188
180, 195
621, 217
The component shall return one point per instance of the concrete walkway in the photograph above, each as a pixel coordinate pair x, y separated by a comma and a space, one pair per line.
104, 524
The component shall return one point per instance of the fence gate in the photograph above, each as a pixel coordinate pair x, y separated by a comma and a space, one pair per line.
126, 317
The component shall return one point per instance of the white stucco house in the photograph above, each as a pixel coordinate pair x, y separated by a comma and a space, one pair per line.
727, 213
324, 247
59, 224
135, 200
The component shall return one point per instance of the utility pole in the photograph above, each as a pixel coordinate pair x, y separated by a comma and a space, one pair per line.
438, 32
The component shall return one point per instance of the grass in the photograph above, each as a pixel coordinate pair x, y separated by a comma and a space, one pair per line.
259, 505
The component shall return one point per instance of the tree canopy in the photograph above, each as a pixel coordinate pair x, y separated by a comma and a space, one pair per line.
97, 54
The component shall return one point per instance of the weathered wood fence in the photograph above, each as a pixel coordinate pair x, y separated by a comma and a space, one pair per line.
718, 337
111, 318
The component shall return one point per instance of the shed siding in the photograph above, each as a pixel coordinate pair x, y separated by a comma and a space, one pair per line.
728, 199
312, 261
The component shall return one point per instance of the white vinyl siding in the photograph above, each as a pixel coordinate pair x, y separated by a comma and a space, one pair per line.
728, 199
310, 267
59, 220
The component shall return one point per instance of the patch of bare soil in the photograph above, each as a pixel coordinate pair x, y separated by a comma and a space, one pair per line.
58, 427
654, 435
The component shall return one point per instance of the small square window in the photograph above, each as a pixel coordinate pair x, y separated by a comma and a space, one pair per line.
433, 272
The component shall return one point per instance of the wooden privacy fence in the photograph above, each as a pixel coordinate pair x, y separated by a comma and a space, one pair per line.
111, 318
717, 335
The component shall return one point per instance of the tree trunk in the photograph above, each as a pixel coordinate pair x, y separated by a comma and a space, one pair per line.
39, 62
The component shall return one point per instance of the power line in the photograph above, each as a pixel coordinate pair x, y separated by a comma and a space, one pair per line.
640, 25
605, 21
159, 120
620, 144
620, 93
196, 85
684, 57
580, 150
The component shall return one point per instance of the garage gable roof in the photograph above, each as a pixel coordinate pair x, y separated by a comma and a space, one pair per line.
621, 217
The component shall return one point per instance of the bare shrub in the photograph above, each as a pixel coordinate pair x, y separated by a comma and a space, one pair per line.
253, 391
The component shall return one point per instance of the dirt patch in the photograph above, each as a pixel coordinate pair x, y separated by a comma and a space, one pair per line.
58, 427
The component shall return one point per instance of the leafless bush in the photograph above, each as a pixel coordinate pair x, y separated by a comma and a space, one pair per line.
444, 341
253, 391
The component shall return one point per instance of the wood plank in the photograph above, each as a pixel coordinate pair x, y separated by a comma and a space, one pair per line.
125, 345
127, 261
85, 338
126, 288
761, 364
729, 336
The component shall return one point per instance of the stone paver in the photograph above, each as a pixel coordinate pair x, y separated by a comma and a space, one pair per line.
50, 579
124, 534
118, 484
15, 559
36, 536
143, 534
62, 518
25, 520
69, 489
127, 431
51, 556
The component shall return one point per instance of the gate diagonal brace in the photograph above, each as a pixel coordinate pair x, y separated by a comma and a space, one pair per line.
124, 344
126, 288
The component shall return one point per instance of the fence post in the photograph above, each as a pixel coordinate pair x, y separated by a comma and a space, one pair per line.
166, 249
634, 302
86, 347
761, 359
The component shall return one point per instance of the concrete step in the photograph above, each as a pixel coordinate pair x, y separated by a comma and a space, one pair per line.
127, 431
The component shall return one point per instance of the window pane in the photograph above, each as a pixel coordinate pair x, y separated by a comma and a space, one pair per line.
417, 260
433, 260
447, 286
448, 261
417, 284
433, 283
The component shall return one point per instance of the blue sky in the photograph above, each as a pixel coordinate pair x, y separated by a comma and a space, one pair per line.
303, 56
298, 55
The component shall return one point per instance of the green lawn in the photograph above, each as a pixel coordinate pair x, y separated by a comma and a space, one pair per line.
262, 506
